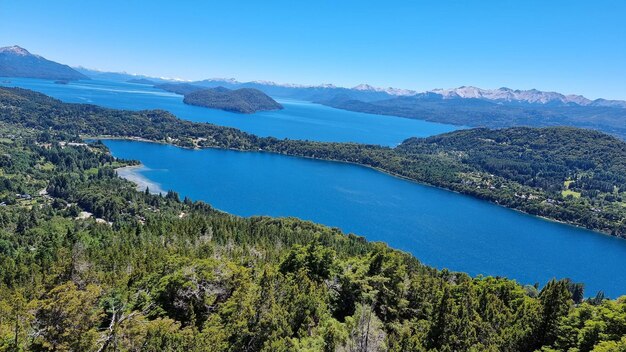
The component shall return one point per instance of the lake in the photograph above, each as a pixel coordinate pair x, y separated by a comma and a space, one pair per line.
441, 228
298, 120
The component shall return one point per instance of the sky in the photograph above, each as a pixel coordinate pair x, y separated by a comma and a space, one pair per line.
573, 47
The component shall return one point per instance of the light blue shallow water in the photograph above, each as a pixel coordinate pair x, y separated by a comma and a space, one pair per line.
441, 228
299, 120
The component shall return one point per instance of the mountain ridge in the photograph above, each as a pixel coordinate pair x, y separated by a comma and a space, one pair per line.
16, 61
367, 92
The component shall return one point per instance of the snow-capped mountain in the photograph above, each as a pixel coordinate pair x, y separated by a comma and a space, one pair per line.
390, 90
16, 50
16, 61
532, 96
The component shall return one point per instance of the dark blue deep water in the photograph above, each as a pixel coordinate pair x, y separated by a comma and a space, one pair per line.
441, 228
299, 120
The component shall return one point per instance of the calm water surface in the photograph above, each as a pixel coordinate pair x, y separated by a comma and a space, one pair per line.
441, 228
299, 120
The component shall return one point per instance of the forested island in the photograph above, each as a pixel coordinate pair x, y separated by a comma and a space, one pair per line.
243, 100
90, 264
567, 174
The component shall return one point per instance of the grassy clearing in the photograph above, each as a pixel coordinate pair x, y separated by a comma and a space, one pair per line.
567, 192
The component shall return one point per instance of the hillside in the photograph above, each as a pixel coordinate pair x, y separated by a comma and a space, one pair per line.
18, 62
244, 100
474, 112
141, 81
567, 174
543, 158
179, 88
90, 264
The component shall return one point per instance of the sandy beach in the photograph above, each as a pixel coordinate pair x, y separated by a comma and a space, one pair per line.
133, 174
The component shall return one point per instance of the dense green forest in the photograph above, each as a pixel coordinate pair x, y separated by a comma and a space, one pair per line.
179, 88
242, 100
87, 263
492, 114
567, 174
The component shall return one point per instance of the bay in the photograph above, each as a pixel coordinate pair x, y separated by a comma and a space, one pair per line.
441, 228
298, 120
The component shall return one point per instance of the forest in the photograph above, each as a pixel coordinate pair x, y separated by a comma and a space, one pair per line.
483, 113
88, 263
567, 174
242, 100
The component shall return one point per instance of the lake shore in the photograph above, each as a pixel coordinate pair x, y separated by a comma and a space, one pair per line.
131, 173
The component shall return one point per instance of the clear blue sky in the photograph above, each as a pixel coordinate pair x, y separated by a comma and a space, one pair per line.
567, 46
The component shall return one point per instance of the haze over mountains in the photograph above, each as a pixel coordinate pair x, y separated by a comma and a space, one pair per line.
366, 92
16, 61
466, 105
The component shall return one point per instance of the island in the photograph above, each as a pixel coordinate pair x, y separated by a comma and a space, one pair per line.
569, 174
243, 100
80, 244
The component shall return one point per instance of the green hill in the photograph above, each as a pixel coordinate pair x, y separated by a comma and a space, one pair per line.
244, 100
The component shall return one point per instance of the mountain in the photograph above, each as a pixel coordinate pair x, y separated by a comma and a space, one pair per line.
18, 62
294, 91
120, 76
244, 100
179, 88
369, 93
476, 108
141, 81
532, 96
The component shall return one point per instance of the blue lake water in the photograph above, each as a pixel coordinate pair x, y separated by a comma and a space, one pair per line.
299, 120
441, 228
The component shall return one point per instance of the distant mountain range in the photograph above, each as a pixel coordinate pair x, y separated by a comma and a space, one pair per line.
532, 96
466, 106
368, 93
463, 106
18, 62
122, 76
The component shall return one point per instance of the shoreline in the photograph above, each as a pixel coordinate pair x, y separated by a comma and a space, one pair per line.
129, 173
392, 174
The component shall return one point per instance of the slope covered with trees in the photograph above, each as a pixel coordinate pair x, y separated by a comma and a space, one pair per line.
91, 264
243, 100
492, 114
567, 174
